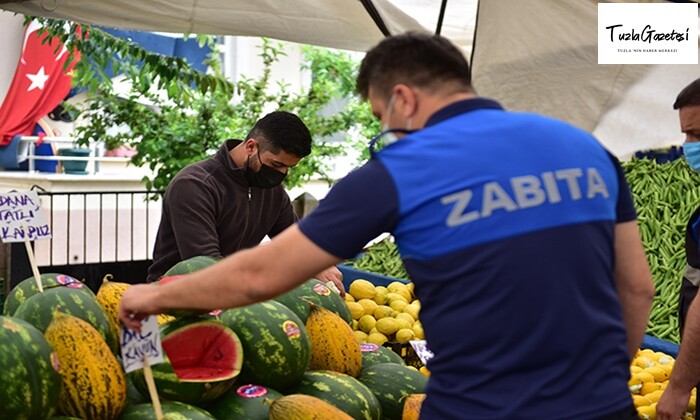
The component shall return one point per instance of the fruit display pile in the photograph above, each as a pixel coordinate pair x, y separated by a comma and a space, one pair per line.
296, 356
650, 371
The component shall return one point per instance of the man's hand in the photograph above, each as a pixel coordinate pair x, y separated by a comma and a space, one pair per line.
138, 301
672, 404
334, 275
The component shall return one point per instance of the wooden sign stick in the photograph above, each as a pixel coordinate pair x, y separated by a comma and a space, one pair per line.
148, 374
32, 261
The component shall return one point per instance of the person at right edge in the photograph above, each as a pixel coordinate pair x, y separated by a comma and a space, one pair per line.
518, 231
686, 370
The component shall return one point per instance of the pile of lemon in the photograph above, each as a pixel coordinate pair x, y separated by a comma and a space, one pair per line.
650, 371
384, 314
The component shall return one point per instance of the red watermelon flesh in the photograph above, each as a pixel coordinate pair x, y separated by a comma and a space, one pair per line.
204, 351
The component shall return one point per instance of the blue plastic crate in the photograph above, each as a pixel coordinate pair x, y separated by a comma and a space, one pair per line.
350, 273
656, 344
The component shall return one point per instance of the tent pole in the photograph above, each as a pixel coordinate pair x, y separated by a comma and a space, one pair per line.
443, 6
376, 17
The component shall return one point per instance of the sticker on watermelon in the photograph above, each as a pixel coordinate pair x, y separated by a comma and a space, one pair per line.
251, 391
69, 281
322, 290
368, 347
291, 329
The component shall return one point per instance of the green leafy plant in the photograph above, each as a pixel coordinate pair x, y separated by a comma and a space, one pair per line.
175, 115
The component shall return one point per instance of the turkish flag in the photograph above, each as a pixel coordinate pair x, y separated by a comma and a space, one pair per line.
41, 83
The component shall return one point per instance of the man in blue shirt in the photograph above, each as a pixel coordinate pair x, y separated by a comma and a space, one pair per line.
518, 231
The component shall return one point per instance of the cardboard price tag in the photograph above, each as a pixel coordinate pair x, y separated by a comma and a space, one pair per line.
136, 346
421, 348
21, 218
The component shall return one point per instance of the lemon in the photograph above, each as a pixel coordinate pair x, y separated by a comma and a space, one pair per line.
645, 376
647, 412
373, 330
398, 305
395, 285
640, 401
356, 310
361, 336
349, 298
649, 387
643, 362
635, 369
366, 323
413, 310
404, 335
394, 296
404, 324
406, 316
369, 305
424, 370
377, 338
654, 396
383, 311
411, 288
354, 324
362, 289
387, 326
381, 296
658, 373
418, 330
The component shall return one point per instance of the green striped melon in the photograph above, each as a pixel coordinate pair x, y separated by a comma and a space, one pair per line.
30, 382
191, 265
275, 343
250, 402
203, 357
172, 410
373, 354
133, 395
391, 383
39, 309
342, 391
314, 291
187, 266
27, 288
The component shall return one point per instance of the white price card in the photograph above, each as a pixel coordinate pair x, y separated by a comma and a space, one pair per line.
21, 218
421, 348
136, 346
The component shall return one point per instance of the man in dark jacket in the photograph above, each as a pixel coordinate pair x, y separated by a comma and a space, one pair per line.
232, 200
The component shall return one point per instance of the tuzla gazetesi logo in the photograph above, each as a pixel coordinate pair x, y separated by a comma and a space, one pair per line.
647, 33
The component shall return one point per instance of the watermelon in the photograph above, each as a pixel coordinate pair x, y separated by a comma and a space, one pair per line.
373, 354
30, 382
133, 395
38, 310
314, 291
251, 402
275, 343
172, 410
187, 266
203, 359
342, 391
190, 265
27, 288
391, 383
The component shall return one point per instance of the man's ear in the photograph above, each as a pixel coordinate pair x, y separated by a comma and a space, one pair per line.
250, 145
406, 102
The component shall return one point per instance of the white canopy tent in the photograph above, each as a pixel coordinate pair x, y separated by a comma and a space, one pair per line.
532, 55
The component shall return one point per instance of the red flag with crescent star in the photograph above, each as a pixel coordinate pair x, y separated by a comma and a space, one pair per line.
41, 82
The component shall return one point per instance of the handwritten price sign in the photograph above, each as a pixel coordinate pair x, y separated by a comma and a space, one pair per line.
137, 345
21, 217
421, 348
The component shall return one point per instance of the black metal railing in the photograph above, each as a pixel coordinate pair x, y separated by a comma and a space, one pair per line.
94, 233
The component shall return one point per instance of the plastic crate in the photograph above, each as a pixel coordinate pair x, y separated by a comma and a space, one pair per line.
350, 274
657, 344
405, 350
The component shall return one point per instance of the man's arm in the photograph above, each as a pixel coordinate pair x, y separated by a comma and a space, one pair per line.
244, 278
635, 286
686, 370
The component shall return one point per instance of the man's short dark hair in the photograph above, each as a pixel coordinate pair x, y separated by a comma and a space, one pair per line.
282, 131
689, 96
416, 59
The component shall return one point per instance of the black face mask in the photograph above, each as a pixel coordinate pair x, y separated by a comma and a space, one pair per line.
266, 177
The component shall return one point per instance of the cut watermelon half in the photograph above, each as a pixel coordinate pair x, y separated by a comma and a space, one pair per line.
202, 350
